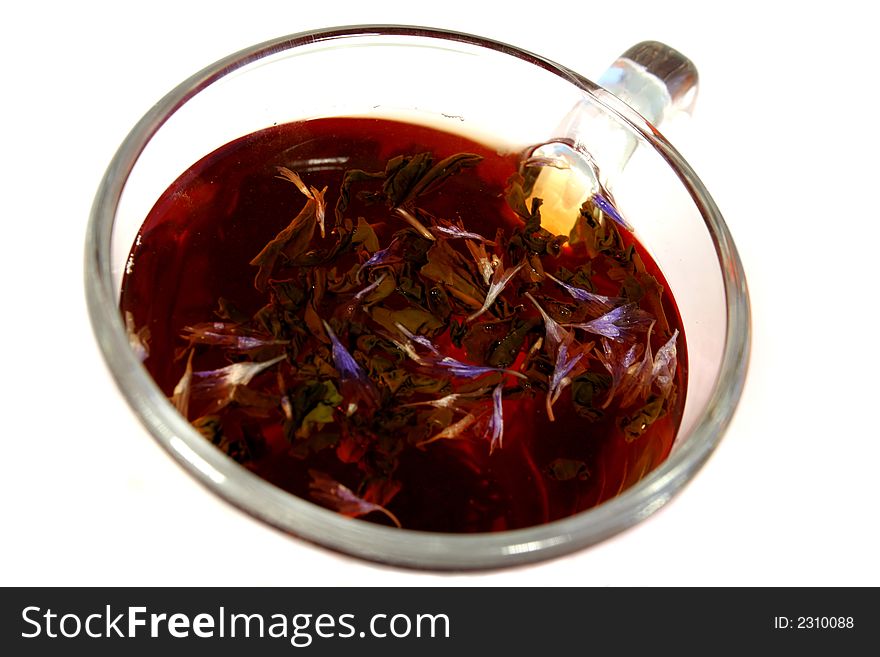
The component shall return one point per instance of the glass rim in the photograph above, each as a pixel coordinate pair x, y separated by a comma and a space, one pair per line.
408, 548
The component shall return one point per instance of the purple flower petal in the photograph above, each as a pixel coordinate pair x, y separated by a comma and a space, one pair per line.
618, 323
605, 206
617, 359
349, 370
418, 339
560, 378
383, 256
596, 303
437, 360
496, 422
556, 335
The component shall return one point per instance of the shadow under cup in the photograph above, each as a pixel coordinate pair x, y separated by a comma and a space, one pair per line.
495, 94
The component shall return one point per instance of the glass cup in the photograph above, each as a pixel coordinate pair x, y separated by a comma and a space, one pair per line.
491, 91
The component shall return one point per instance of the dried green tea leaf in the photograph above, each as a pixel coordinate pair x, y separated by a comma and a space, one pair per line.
415, 320
586, 391
445, 168
293, 241
402, 175
352, 176
365, 236
567, 469
636, 423
448, 267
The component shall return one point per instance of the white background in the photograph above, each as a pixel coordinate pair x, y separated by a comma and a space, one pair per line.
783, 135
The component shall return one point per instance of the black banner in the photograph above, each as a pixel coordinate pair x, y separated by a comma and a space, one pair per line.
432, 621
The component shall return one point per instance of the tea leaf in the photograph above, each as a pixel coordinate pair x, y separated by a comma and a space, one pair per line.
505, 351
352, 176
438, 174
402, 175
586, 390
447, 267
635, 424
365, 236
415, 320
562, 469
292, 242
310, 405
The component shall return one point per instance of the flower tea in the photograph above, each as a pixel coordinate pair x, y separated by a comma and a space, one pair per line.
369, 314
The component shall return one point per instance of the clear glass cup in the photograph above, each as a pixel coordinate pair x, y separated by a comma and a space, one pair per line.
491, 91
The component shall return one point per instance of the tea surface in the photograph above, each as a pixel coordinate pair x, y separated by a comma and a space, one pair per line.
368, 314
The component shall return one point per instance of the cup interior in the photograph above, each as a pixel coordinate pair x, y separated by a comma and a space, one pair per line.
492, 93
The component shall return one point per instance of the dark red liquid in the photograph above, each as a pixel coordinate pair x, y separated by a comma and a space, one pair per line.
196, 245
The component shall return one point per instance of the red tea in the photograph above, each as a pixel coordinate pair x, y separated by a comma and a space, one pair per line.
369, 315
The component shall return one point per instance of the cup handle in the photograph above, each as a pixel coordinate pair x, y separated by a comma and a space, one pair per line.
653, 79
589, 149
650, 78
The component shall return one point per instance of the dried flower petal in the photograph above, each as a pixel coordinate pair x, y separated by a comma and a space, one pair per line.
608, 208
180, 396
436, 359
286, 174
454, 232
596, 303
500, 280
447, 401
237, 374
618, 323
139, 340
420, 340
617, 359
663, 370
372, 286
453, 431
341, 499
631, 379
349, 370
227, 335
496, 422
561, 377
309, 192
485, 266
221, 384
415, 223
637, 382
556, 335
